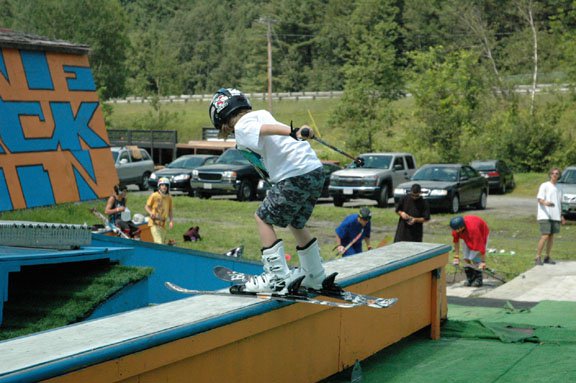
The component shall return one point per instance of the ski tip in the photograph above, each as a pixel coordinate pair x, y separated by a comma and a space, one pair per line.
382, 303
171, 286
219, 269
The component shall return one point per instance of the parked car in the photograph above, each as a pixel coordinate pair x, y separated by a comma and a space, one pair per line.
500, 177
448, 186
179, 171
134, 165
376, 179
232, 173
329, 168
567, 183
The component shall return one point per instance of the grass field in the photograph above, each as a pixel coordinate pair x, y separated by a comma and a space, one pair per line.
227, 223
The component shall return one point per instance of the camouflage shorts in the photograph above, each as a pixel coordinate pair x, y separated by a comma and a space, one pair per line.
291, 201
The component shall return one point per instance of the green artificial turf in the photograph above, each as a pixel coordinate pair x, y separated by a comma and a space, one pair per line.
49, 296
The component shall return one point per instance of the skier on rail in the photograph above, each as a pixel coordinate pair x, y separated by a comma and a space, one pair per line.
297, 177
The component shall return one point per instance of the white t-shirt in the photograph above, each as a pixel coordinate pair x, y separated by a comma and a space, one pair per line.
283, 156
549, 192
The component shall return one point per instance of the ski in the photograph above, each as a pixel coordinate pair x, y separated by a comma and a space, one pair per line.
488, 271
295, 298
109, 224
330, 289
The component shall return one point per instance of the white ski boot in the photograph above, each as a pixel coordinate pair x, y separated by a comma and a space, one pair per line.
277, 275
311, 265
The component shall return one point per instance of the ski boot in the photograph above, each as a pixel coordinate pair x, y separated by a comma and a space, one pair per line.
311, 265
277, 276
470, 275
477, 282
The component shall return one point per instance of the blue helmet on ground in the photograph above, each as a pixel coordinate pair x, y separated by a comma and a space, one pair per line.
457, 222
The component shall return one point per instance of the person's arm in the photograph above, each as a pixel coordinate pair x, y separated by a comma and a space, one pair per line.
542, 196
284, 130
543, 202
456, 253
367, 240
339, 246
108, 209
171, 216
148, 207
403, 215
482, 261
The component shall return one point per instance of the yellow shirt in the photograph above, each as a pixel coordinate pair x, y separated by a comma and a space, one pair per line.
161, 206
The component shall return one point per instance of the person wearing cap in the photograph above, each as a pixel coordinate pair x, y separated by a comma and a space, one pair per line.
352, 230
159, 207
413, 211
474, 233
118, 213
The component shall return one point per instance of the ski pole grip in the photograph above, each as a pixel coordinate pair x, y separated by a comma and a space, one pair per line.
305, 132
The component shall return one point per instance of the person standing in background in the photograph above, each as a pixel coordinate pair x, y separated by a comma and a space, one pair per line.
159, 207
413, 211
549, 216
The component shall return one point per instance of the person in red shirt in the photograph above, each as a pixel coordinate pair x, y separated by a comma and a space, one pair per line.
474, 233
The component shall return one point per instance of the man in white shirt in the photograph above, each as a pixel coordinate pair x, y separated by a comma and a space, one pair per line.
549, 216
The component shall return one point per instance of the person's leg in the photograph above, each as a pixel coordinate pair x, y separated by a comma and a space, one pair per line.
277, 274
545, 231
157, 234
541, 243
288, 203
311, 264
302, 236
549, 243
472, 260
267, 233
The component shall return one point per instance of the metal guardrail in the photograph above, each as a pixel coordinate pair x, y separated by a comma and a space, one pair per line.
304, 95
146, 138
252, 96
211, 134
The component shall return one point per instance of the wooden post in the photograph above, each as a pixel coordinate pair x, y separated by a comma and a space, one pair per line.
435, 304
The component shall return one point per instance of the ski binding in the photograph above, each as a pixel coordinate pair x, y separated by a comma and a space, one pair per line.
238, 292
329, 289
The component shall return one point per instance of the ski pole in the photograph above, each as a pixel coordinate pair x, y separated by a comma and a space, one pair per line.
306, 133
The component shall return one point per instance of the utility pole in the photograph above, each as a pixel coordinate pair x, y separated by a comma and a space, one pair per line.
269, 22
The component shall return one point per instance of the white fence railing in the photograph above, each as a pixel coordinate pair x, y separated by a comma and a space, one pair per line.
252, 96
305, 95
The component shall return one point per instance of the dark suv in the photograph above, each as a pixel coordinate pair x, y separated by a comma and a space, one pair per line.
230, 174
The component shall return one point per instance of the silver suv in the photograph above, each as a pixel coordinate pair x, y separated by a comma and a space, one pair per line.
134, 165
376, 179
567, 183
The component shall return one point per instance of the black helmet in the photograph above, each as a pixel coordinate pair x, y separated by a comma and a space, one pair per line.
224, 103
457, 223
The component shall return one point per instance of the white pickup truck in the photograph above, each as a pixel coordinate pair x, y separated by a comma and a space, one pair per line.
376, 179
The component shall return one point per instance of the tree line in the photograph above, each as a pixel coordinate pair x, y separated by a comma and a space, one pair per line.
459, 59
